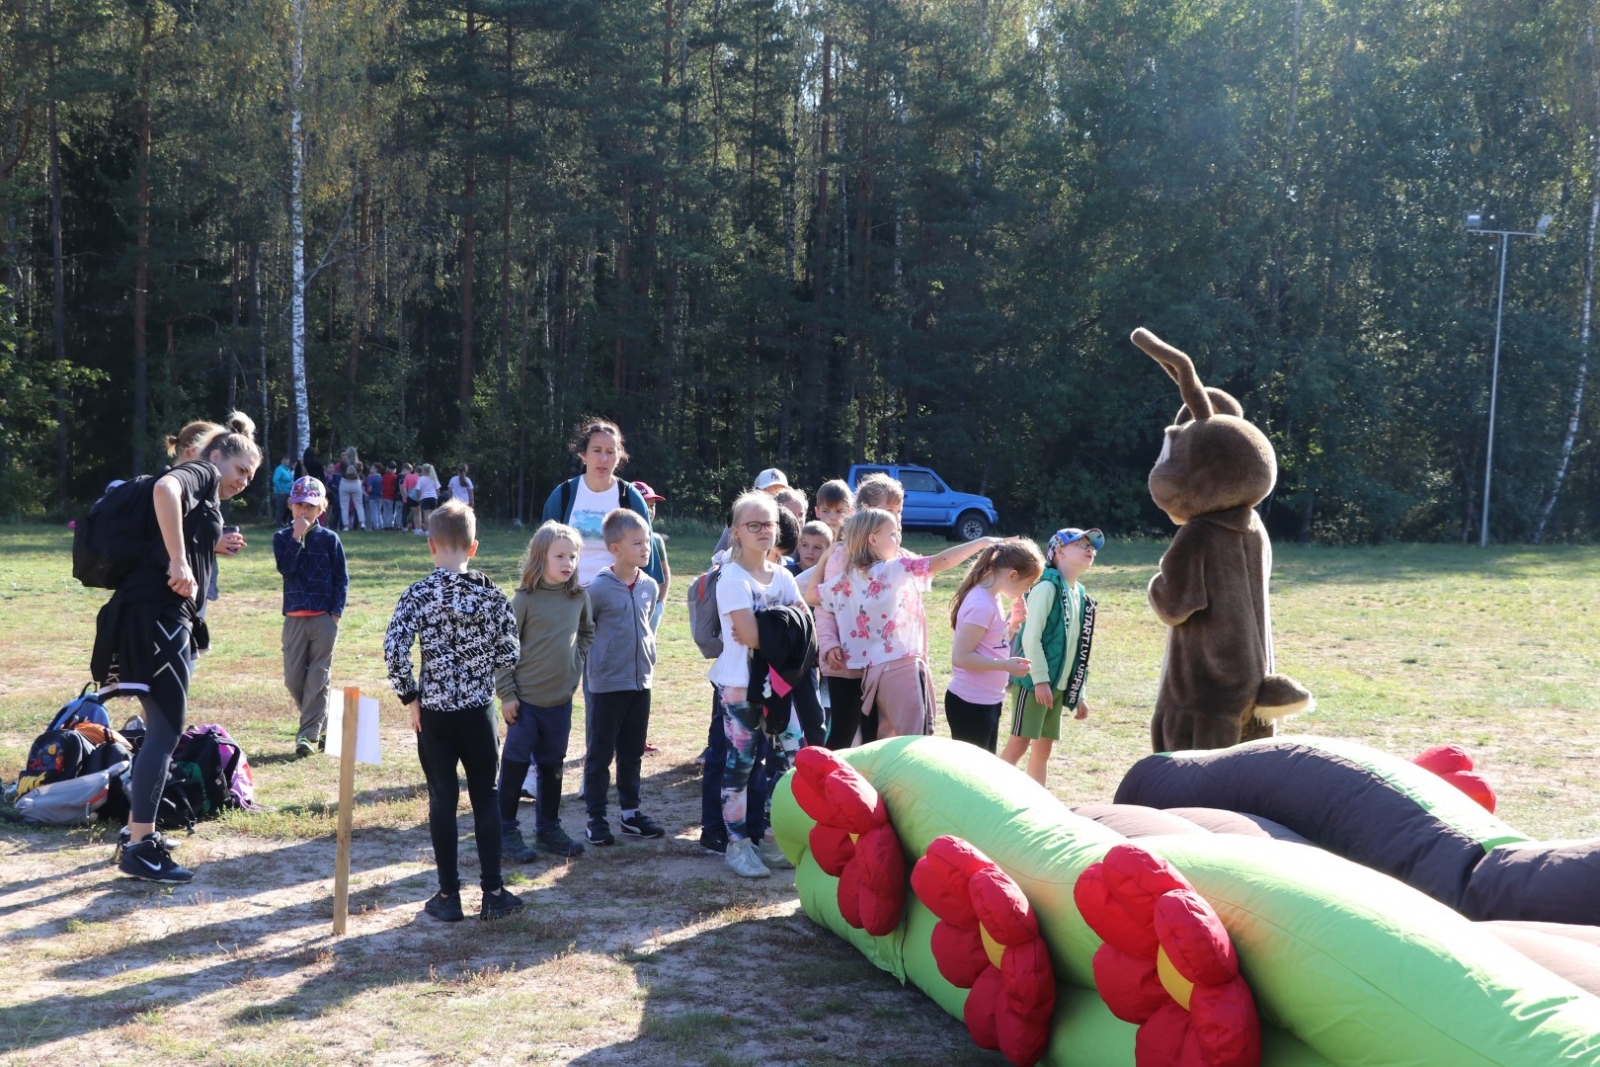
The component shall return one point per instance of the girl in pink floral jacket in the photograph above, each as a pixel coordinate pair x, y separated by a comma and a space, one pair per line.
877, 600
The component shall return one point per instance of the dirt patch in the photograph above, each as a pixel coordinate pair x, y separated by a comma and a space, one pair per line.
642, 953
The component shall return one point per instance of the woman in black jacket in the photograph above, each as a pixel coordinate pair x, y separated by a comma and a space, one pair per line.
146, 635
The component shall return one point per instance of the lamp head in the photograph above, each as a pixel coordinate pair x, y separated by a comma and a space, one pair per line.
1474, 220
1544, 224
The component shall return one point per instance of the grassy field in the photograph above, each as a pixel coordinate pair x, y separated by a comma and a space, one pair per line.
651, 953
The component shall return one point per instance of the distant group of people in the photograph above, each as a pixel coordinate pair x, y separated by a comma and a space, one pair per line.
370, 496
824, 641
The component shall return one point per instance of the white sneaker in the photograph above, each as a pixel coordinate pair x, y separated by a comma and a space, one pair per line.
745, 861
772, 856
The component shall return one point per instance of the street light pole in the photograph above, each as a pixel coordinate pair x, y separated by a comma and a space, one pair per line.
1475, 225
1494, 393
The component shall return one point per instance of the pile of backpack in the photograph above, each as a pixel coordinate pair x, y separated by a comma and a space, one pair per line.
78, 770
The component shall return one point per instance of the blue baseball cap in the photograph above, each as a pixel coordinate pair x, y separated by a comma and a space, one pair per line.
1069, 534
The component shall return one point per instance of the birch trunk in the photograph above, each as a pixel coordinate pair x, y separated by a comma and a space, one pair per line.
58, 299
1570, 439
297, 236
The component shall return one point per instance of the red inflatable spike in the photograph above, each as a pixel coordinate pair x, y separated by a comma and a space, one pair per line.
1002, 908
940, 881
832, 848
1128, 984
1223, 1022
980, 1008
1474, 786
883, 879
1108, 918
959, 954
1442, 759
1160, 1041
1195, 940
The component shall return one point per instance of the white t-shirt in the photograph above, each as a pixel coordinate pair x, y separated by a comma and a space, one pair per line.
461, 490
589, 510
427, 488
736, 589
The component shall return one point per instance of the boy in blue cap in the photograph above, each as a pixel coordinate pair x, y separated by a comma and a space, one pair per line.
1056, 638
315, 582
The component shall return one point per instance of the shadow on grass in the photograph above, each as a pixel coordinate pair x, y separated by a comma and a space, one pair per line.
240, 875
748, 1013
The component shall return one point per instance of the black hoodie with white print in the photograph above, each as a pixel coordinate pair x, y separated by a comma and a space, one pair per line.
467, 632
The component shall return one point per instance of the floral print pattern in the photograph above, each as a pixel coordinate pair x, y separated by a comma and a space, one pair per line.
885, 603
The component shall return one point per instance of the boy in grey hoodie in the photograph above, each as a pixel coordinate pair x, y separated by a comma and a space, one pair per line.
620, 670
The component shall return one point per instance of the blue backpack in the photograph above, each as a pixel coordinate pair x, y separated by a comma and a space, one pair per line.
85, 707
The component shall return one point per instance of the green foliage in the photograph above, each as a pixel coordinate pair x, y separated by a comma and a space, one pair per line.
807, 235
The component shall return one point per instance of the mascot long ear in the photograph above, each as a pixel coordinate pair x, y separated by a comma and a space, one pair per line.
1181, 368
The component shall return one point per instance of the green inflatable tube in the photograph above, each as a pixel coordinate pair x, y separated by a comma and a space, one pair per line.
1347, 966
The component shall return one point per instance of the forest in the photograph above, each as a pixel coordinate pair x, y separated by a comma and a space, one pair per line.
807, 233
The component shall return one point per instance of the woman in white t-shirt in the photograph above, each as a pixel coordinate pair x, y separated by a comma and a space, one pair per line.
749, 582
980, 655
584, 502
427, 495
461, 487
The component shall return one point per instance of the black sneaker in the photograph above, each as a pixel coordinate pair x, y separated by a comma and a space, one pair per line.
152, 861
556, 842
322, 742
514, 848
714, 843
641, 825
166, 841
447, 909
499, 905
599, 832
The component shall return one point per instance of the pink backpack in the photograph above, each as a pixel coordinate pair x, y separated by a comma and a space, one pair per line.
241, 784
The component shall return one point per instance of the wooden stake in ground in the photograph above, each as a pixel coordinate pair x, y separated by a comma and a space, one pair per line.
347, 785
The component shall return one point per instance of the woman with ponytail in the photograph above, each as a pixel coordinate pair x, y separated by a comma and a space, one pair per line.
145, 635
980, 654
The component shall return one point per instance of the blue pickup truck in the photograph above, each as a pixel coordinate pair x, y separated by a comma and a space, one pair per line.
933, 505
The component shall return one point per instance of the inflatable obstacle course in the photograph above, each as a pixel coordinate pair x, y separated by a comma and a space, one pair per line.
1344, 964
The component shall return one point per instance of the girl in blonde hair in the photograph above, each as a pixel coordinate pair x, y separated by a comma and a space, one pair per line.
980, 655
749, 582
877, 602
555, 628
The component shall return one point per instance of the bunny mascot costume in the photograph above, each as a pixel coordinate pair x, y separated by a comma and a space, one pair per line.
1217, 684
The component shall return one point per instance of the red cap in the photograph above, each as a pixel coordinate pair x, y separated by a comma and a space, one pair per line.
649, 494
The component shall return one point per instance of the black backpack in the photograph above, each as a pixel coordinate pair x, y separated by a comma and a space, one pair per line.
567, 493
117, 534
56, 756
198, 778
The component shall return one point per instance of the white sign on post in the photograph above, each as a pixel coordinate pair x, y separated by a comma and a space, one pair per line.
366, 730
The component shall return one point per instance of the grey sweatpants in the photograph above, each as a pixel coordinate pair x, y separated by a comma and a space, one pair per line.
307, 659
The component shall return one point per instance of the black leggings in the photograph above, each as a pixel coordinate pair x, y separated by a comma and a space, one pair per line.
976, 724
844, 696
149, 775
164, 708
467, 737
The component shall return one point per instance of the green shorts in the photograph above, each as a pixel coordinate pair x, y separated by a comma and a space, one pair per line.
1031, 719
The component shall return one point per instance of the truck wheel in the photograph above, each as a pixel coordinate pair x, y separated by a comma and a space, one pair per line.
971, 525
